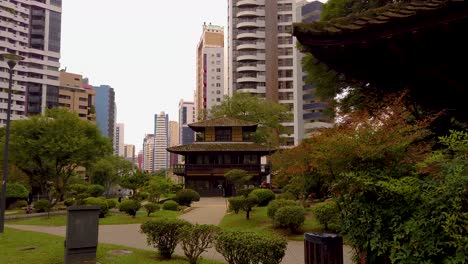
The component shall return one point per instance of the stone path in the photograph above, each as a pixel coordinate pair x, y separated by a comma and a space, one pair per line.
207, 211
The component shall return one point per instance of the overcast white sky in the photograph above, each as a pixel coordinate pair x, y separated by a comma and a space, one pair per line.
144, 49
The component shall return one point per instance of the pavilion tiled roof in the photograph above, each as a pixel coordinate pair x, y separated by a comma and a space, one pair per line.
221, 147
223, 122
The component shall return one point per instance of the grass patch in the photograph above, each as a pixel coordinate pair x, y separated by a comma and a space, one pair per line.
260, 223
50, 250
111, 219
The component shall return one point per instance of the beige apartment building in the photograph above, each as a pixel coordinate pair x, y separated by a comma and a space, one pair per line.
77, 95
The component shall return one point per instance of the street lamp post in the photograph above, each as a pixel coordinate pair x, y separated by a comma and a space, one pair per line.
11, 60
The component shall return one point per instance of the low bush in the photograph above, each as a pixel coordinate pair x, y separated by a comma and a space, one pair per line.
80, 198
244, 192
264, 196
286, 196
196, 239
248, 203
15, 191
151, 208
235, 203
75, 189
111, 203
273, 206
328, 215
241, 247
186, 197
101, 202
142, 196
170, 205
164, 234
42, 206
20, 204
130, 207
95, 190
69, 202
291, 217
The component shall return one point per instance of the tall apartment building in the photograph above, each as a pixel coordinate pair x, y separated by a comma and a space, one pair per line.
186, 116
105, 110
119, 139
260, 53
210, 70
30, 28
148, 153
77, 95
161, 141
309, 116
129, 153
173, 141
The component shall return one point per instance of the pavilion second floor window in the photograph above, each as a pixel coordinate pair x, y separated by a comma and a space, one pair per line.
223, 134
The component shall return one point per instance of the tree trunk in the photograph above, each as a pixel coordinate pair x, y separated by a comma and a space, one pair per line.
247, 214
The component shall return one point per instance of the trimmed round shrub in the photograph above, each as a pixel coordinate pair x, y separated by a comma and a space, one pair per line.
111, 203
164, 234
196, 239
142, 195
235, 203
15, 191
69, 202
151, 208
20, 204
101, 202
286, 196
170, 205
42, 205
244, 192
80, 198
291, 217
95, 190
328, 215
130, 207
273, 206
264, 196
186, 197
239, 247
76, 189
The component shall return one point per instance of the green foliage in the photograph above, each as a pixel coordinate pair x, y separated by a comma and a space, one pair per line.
273, 206
196, 239
75, 189
264, 196
101, 202
69, 202
170, 205
243, 247
185, 197
16, 191
142, 195
20, 204
244, 191
328, 214
291, 217
108, 170
238, 177
164, 234
286, 196
80, 198
151, 208
48, 148
95, 190
130, 207
158, 186
134, 181
111, 203
235, 203
42, 206
268, 114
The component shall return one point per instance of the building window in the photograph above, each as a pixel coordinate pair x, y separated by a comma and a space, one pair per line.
218, 92
218, 69
218, 99
218, 85
223, 134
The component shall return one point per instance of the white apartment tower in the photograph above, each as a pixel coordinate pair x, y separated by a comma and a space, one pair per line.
161, 142
148, 153
30, 28
210, 70
119, 146
260, 53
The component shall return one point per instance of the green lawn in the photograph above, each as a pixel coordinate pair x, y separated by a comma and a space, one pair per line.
50, 250
111, 219
260, 223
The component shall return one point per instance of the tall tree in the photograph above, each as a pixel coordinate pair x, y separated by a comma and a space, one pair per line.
49, 148
268, 114
109, 170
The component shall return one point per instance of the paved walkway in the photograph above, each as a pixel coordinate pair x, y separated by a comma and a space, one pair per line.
207, 211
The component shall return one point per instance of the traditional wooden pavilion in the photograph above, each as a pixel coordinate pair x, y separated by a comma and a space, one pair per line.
222, 144
417, 46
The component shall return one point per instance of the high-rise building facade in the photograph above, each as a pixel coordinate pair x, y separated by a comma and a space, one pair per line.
173, 141
260, 53
210, 70
148, 153
105, 110
119, 145
75, 94
129, 153
161, 142
309, 116
186, 116
32, 29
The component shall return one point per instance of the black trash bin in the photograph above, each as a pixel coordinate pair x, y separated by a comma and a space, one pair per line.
322, 248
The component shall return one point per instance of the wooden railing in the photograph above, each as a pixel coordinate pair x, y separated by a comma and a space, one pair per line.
184, 169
